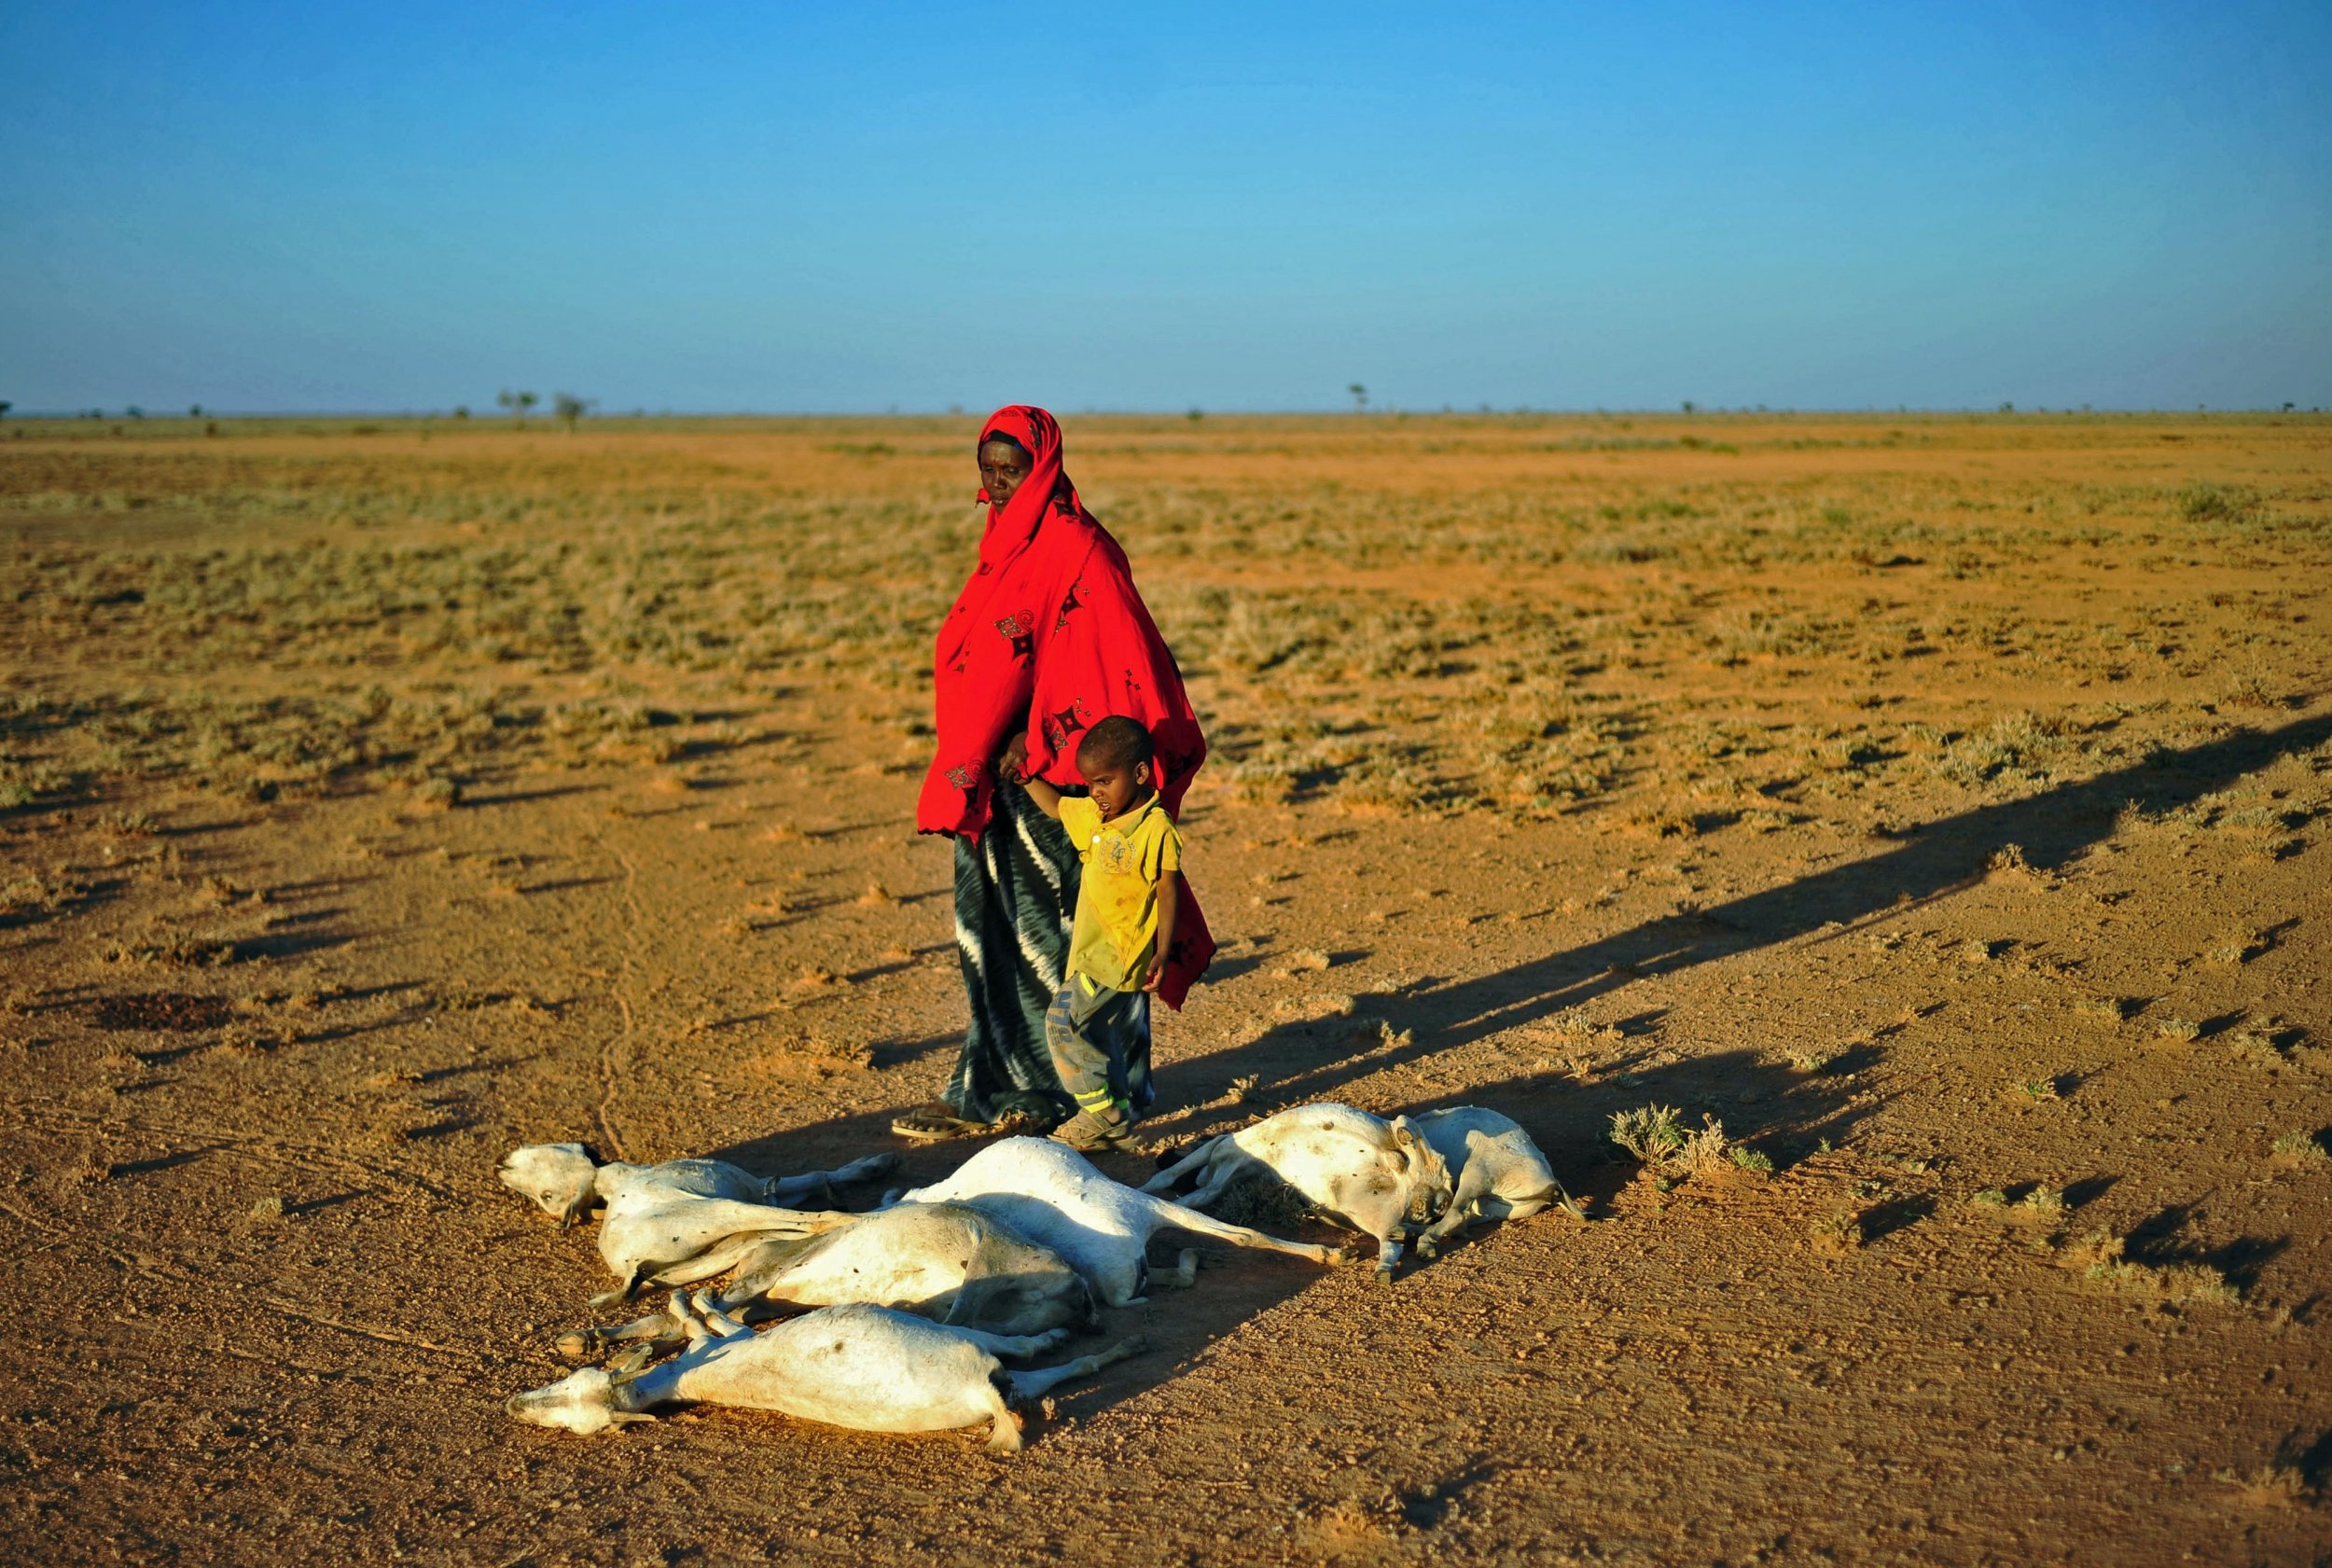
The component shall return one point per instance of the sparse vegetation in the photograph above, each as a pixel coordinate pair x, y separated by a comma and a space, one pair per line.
2101, 1256
1839, 1227
2302, 1151
1651, 1134
565, 781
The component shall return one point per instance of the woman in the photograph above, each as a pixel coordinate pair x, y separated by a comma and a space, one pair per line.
1048, 637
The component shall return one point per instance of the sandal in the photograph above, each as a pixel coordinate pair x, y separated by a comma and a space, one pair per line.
936, 1122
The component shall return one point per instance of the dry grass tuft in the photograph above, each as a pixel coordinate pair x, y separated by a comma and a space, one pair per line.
2302, 1151
1839, 1227
2101, 1256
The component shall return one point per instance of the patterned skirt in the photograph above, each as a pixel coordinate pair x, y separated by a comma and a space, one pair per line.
1016, 893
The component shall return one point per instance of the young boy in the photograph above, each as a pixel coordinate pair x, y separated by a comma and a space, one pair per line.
1127, 902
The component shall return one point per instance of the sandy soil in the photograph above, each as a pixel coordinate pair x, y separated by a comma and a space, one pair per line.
1939, 805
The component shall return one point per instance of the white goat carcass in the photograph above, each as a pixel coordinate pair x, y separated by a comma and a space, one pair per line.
1376, 1176
867, 1367
1500, 1174
681, 1221
1053, 1195
948, 1262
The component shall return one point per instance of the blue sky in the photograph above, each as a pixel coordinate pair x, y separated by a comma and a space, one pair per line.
780, 207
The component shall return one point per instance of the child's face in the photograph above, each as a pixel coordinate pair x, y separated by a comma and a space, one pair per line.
1116, 785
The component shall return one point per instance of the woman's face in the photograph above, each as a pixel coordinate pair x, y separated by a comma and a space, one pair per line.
1002, 467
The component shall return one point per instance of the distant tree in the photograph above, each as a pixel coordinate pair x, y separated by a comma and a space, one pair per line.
1360, 398
461, 410
1689, 404
2008, 408
1194, 416
3, 408
134, 412
194, 410
6, 407
518, 403
569, 407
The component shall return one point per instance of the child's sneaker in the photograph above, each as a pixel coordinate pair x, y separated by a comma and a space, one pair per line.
1090, 1132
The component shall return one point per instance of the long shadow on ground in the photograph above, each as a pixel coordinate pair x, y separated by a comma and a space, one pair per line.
1788, 1110
1932, 862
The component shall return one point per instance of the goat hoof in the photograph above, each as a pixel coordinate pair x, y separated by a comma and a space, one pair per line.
1384, 1276
1428, 1250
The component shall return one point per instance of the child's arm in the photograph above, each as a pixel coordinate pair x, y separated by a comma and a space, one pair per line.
1012, 763
1169, 907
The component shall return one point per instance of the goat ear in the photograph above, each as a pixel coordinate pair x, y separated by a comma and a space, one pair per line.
1405, 1143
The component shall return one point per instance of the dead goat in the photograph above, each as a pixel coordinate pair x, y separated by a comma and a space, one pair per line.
867, 1367
1053, 1195
681, 1221
948, 1262
1500, 1174
1376, 1177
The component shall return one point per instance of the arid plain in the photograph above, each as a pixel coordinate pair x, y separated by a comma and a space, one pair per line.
1940, 808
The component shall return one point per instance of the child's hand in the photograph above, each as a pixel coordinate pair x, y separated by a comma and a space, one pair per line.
1012, 762
1157, 973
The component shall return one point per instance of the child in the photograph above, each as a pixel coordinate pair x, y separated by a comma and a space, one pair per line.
1127, 902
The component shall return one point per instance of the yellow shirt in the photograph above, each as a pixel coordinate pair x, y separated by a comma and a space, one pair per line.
1125, 859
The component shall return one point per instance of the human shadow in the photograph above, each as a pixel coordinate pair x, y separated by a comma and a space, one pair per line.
1924, 864
1780, 1110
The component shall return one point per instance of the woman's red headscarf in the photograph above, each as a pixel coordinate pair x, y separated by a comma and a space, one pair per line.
1049, 636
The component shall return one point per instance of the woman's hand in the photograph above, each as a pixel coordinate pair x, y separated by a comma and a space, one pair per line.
1012, 762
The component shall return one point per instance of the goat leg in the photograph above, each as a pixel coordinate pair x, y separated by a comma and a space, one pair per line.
788, 1189
1164, 1180
657, 1328
1182, 1217
1473, 1185
1022, 1387
1013, 1345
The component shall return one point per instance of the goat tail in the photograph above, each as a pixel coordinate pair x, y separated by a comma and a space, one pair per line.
1555, 1196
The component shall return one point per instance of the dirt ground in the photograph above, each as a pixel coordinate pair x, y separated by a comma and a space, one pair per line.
1940, 806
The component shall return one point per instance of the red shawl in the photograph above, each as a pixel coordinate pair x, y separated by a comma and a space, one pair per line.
1050, 626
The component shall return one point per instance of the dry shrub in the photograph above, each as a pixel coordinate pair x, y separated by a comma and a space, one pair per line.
1650, 1133
2101, 1256
2302, 1151
1839, 1227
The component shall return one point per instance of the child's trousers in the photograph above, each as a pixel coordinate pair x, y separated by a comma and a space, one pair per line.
1094, 1031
